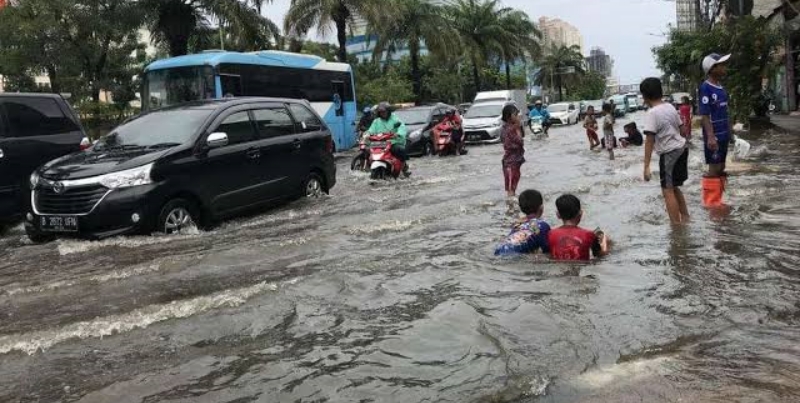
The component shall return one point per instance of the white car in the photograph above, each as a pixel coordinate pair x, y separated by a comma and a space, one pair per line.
563, 113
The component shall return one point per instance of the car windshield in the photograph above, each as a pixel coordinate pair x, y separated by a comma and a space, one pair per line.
558, 108
178, 85
484, 111
155, 130
413, 116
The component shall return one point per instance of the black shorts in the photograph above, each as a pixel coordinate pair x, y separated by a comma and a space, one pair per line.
673, 168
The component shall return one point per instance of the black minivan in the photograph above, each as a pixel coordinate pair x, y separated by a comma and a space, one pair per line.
176, 168
34, 129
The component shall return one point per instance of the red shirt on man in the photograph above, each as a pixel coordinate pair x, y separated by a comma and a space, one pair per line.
573, 243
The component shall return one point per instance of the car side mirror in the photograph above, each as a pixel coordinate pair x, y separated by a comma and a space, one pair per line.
217, 140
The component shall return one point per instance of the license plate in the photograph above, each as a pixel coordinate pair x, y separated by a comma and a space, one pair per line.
475, 137
378, 144
54, 223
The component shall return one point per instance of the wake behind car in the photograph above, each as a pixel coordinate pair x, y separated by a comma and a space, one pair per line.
172, 169
34, 129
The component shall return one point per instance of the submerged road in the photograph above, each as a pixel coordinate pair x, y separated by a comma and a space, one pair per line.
389, 292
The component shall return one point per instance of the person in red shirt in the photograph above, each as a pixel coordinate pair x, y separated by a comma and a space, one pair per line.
685, 111
452, 123
570, 242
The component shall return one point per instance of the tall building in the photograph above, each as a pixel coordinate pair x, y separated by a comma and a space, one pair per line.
688, 14
600, 62
560, 33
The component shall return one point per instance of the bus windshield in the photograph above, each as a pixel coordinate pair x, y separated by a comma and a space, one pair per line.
177, 85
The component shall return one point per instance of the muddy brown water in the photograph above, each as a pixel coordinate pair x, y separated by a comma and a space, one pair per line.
389, 292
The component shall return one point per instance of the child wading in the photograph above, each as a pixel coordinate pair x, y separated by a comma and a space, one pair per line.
530, 234
571, 242
662, 126
609, 141
590, 124
514, 156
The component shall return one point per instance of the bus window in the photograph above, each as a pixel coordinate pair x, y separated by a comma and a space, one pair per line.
177, 85
231, 86
338, 97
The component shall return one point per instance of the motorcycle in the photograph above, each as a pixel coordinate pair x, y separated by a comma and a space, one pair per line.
537, 128
444, 144
361, 161
383, 163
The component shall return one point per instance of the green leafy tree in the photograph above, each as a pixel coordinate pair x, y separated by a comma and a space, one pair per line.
522, 41
752, 43
322, 14
561, 65
411, 24
479, 26
182, 23
591, 85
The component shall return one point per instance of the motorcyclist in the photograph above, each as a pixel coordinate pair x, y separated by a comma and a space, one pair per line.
452, 123
387, 122
366, 120
539, 111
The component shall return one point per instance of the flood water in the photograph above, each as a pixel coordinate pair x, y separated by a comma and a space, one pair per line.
389, 292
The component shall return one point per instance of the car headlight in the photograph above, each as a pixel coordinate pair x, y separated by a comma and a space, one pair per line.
34, 180
132, 177
415, 135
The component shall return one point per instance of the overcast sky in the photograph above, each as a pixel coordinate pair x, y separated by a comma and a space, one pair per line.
626, 29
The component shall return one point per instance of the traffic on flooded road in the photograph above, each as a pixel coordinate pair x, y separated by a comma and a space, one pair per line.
389, 291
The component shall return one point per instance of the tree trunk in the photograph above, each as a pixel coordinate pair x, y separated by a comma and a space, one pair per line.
341, 36
476, 76
560, 93
52, 74
508, 75
416, 75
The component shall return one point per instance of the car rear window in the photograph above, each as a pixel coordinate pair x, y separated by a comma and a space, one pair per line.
306, 121
29, 117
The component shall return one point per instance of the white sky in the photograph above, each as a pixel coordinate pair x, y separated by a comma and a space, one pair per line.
626, 29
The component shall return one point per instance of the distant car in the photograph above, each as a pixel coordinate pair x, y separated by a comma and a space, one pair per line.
180, 167
620, 105
420, 121
482, 122
633, 103
598, 108
463, 108
34, 129
565, 113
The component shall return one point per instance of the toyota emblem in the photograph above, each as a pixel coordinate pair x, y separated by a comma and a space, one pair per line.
59, 187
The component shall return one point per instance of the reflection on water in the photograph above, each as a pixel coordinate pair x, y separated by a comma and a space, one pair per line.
389, 292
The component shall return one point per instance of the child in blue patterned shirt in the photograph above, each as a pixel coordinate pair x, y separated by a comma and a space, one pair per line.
530, 234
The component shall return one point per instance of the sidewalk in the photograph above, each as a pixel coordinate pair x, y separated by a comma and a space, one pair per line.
789, 123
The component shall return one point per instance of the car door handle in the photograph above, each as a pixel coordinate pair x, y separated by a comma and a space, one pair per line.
254, 153
2, 154
297, 144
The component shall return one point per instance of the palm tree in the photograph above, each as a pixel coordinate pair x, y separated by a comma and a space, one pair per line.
479, 26
179, 23
413, 23
560, 64
306, 14
522, 41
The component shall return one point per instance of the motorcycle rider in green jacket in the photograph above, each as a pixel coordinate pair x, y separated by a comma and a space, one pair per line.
388, 122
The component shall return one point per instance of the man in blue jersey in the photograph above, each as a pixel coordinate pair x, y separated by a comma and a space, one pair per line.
714, 112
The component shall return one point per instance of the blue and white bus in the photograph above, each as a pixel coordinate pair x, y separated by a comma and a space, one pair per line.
328, 86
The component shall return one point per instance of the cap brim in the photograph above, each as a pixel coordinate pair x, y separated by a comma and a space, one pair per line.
723, 59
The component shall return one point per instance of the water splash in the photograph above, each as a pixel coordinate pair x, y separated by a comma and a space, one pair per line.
69, 246
393, 226
30, 343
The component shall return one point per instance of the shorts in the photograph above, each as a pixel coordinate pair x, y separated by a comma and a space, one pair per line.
673, 168
592, 135
719, 156
609, 142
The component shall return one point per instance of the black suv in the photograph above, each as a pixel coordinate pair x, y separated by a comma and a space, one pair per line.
34, 129
176, 168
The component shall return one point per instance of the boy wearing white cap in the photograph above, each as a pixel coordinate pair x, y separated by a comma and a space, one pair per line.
713, 109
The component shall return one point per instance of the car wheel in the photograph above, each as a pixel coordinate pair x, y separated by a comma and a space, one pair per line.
38, 237
427, 149
178, 216
312, 187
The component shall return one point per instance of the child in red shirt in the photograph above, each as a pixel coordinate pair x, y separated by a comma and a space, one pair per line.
570, 242
685, 111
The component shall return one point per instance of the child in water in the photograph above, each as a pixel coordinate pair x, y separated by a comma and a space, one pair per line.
590, 124
686, 118
570, 242
514, 156
530, 234
634, 135
609, 141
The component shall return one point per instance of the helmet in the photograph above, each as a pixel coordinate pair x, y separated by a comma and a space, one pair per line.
538, 102
384, 107
450, 112
367, 110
